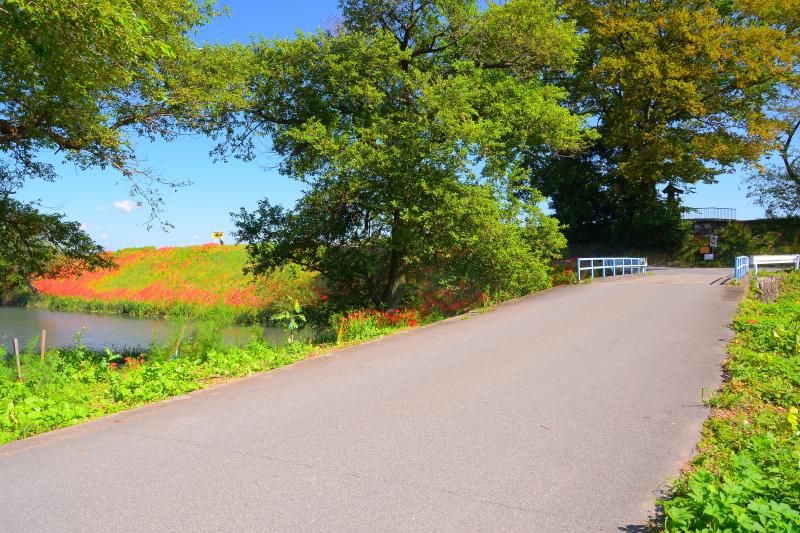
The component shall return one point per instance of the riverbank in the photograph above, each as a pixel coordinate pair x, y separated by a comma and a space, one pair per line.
745, 476
70, 385
198, 282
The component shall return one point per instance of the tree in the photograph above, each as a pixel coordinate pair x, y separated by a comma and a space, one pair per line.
777, 187
680, 92
35, 244
84, 78
407, 112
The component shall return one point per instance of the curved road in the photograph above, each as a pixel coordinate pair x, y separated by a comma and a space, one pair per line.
563, 411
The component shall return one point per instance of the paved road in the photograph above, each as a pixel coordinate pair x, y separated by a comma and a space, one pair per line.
564, 411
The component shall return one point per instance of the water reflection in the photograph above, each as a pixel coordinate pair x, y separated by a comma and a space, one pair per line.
103, 331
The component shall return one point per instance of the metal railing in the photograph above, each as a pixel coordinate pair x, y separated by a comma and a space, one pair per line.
709, 213
789, 259
611, 265
741, 267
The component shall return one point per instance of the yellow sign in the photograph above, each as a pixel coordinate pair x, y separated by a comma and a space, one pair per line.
218, 234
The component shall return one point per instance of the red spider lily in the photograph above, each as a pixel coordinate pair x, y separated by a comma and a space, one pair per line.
167, 286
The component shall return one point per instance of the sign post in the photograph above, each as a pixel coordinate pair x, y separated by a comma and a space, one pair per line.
219, 235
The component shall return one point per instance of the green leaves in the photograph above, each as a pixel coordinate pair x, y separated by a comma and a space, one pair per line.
72, 385
409, 127
35, 244
81, 78
680, 92
292, 319
747, 475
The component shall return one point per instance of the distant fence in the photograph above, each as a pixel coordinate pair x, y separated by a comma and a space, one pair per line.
611, 265
709, 213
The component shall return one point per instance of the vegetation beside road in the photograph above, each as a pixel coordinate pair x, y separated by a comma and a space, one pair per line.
72, 385
746, 476
755, 237
68, 386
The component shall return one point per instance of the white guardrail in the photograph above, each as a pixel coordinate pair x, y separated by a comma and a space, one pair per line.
764, 260
612, 265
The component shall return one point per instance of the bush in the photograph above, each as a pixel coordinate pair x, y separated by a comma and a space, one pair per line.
368, 324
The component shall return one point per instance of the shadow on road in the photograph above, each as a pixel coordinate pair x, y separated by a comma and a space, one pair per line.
655, 523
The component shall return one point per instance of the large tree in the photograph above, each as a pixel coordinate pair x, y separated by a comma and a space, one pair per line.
775, 183
81, 80
84, 79
776, 187
398, 118
680, 91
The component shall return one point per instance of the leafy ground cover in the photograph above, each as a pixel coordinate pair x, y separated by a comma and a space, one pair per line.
196, 281
72, 385
69, 386
746, 476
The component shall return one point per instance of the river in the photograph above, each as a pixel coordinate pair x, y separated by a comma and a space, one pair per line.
102, 331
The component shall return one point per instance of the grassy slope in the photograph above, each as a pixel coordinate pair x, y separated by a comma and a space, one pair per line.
746, 476
196, 281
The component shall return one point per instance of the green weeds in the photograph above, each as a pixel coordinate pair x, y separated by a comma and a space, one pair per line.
73, 385
747, 474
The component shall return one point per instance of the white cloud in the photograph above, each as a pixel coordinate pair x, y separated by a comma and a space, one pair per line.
125, 205
101, 208
104, 236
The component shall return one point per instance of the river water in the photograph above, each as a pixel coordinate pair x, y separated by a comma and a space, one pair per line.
103, 331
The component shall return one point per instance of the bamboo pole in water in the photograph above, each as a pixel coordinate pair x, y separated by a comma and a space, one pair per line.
44, 339
16, 355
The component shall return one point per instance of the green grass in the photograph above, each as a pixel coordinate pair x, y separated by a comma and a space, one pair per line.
74, 385
746, 476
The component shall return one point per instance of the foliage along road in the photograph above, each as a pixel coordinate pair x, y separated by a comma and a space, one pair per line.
563, 411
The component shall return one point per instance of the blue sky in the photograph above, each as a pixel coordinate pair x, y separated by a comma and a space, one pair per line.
99, 199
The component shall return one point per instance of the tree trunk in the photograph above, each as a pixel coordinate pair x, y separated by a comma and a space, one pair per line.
392, 290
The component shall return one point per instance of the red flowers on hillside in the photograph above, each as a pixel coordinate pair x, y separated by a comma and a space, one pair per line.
205, 275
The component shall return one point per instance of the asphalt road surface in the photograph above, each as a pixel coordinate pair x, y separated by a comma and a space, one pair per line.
568, 410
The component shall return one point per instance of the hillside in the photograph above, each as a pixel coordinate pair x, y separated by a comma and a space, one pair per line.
192, 280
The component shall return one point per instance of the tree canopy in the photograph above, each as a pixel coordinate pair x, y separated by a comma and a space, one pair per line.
84, 78
397, 120
680, 92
